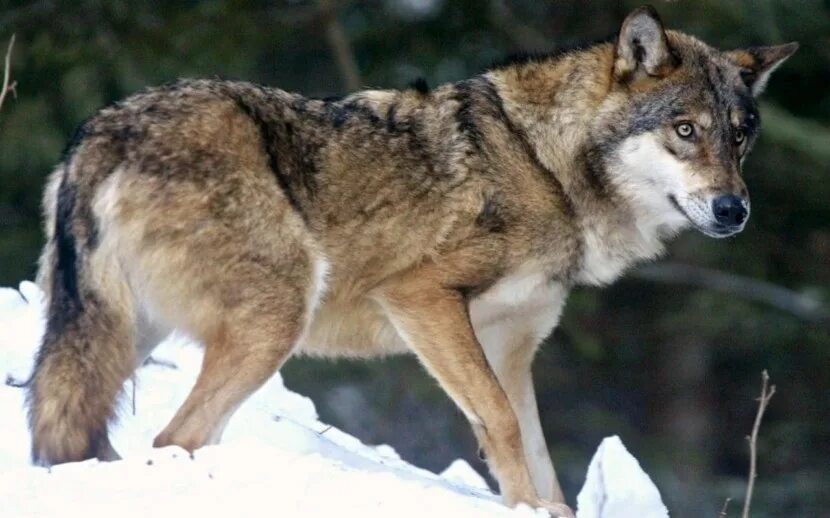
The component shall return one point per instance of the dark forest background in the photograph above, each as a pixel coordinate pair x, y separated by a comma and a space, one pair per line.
669, 358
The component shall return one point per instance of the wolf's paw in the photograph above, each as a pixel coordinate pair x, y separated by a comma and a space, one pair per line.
557, 510
105, 451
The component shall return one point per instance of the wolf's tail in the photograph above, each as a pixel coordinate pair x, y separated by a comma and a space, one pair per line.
87, 350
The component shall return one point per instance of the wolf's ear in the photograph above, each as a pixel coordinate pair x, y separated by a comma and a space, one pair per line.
757, 63
642, 46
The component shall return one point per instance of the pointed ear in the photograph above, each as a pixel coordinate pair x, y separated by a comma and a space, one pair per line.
757, 63
642, 46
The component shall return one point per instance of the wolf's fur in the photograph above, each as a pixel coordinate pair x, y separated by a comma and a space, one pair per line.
450, 223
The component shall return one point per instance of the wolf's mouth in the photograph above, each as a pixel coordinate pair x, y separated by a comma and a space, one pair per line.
715, 230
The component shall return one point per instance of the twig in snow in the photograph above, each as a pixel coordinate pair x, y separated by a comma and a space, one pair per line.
11, 381
8, 87
767, 392
151, 360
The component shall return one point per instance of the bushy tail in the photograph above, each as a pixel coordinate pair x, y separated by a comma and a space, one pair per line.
86, 352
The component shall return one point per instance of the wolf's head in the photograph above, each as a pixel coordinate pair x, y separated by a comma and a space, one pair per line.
679, 120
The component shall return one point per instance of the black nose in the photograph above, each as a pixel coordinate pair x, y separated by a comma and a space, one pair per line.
729, 210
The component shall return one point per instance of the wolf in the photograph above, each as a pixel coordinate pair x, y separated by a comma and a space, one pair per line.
450, 223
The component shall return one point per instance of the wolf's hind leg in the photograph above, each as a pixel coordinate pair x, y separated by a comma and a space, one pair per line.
253, 339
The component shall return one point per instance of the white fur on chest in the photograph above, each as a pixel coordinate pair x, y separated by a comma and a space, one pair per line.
524, 305
608, 252
600, 265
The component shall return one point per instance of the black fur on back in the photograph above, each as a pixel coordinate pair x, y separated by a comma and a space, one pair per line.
420, 85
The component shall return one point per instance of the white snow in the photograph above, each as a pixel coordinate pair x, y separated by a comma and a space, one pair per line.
617, 486
276, 457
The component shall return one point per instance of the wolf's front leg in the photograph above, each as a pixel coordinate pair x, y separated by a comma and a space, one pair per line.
510, 331
434, 322
511, 362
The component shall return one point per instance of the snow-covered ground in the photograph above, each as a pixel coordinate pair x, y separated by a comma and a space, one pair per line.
276, 458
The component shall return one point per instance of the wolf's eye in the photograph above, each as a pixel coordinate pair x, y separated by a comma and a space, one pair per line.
740, 136
685, 129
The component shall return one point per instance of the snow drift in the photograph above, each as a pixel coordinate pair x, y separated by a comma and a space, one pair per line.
277, 458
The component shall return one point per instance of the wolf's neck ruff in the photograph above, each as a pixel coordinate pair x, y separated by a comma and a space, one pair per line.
554, 103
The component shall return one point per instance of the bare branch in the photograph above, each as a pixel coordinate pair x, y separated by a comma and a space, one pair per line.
763, 401
805, 136
8, 87
340, 46
520, 34
294, 15
722, 513
801, 306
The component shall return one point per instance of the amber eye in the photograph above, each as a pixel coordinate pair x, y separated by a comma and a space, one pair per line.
740, 136
685, 130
